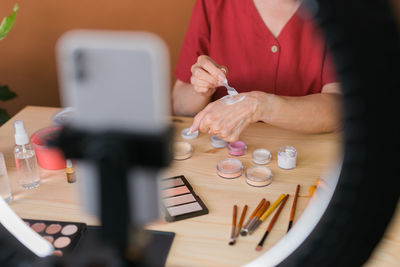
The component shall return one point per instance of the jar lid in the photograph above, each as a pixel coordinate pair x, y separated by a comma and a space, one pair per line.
186, 135
258, 176
217, 142
261, 156
182, 150
230, 168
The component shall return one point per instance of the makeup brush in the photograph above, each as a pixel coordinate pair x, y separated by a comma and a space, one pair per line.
271, 224
266, 214
243, 231
293, 210
233, 231
240, 224
260, 212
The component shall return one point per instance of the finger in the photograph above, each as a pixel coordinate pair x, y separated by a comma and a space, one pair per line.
211, 67
225, 70
201, 74
205, 124
198, 118
200, 83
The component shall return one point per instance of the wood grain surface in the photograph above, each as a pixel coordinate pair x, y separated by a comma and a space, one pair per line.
203, 240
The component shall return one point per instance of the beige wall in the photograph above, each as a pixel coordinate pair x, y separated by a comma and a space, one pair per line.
27, 61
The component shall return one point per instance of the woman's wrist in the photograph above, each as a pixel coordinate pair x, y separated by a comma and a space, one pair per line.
262, 103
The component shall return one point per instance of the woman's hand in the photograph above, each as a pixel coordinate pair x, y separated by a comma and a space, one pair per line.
228, 121
207, 75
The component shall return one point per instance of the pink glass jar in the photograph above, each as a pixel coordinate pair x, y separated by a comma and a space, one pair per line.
237, 148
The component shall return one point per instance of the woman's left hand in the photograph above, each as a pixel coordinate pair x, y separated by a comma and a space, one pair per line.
228, 121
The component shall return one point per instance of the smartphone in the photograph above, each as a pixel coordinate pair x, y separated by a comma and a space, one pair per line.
118, 81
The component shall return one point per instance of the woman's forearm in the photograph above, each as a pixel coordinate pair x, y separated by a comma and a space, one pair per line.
314, 113
187, 102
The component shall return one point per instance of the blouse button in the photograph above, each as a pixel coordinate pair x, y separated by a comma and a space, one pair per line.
274, 49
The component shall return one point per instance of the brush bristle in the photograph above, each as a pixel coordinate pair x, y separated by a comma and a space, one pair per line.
258, 248
232, 242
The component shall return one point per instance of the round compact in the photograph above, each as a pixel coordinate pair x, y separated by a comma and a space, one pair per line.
186, 135
287, 156
258, 176
237, 148
217, 142
230, 168
261, 156
182, 150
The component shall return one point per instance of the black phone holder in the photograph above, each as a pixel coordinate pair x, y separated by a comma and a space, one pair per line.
115, 153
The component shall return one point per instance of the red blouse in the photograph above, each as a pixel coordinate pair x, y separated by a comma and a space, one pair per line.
232, 32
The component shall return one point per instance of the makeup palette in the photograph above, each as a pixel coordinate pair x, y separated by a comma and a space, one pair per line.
64, 236
179, 200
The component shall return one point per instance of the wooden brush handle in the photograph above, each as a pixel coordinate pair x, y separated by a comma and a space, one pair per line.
293, 210
242, 216
234, 215
276, 215
262, 209
258, 208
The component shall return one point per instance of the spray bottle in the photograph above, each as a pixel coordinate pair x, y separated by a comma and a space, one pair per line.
25, 158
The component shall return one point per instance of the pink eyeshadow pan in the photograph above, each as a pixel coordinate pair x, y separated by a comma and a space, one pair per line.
38, 227
53, 228
175, 191
62, 242
168, 202
69, 229
183, 209
171, 183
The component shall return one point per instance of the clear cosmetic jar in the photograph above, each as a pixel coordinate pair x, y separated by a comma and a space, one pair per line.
258, 176
217, 142
230, 168
237, 148
261, 156
287, 156
186, 135
182, 150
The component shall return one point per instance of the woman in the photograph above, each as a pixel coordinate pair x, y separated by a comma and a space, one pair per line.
273, 54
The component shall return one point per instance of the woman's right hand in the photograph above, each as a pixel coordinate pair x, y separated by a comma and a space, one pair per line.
207, 75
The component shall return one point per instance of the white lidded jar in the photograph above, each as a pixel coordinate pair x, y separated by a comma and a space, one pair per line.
25, 158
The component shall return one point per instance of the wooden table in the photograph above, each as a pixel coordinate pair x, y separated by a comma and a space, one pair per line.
203, 240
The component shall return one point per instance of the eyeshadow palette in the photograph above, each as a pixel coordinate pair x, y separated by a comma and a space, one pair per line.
179, 200
64, 236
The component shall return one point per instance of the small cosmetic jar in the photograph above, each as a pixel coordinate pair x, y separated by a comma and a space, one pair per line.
287, 156
186, 135
217, 142
261, 156
258, 176
49, 158
230, 168
237, 148
182, 150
